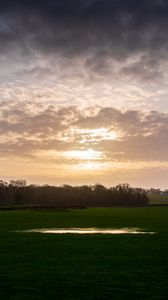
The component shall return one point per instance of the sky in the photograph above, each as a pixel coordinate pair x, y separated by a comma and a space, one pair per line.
83, 91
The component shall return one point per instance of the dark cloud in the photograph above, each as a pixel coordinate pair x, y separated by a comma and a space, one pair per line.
111, 27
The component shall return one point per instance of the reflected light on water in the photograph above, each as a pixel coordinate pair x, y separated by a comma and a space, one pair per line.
90, 231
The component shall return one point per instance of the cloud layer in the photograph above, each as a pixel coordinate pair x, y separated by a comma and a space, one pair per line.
72, 27
113, 53
120, 135
84, 75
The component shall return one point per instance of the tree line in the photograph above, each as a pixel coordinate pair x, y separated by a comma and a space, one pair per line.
18, 193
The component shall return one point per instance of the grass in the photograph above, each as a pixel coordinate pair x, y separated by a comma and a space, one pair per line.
158, 199
37, 266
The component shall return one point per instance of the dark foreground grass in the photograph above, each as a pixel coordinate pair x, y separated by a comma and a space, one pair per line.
41, 266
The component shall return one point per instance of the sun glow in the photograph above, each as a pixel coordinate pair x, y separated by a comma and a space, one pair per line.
90, 165
93, 135
88, 154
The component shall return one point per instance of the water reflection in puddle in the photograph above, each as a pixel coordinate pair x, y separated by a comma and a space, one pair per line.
90, 231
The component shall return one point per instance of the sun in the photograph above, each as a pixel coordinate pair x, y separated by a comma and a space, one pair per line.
88, 154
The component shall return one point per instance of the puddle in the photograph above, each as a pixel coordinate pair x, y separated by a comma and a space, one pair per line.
89, 231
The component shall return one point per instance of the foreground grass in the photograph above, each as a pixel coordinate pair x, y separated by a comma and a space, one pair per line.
41, 266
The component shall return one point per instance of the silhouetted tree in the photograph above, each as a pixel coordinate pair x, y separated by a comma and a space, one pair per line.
17, 188
17, 192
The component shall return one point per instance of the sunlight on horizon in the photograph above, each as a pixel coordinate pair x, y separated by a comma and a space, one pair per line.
90, 166
88, 154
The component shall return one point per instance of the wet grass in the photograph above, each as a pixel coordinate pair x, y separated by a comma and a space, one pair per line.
38, 266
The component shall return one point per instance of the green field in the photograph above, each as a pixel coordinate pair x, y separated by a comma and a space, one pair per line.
48, 266
158, 199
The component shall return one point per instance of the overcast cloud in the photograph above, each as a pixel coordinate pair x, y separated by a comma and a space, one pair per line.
84, 74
